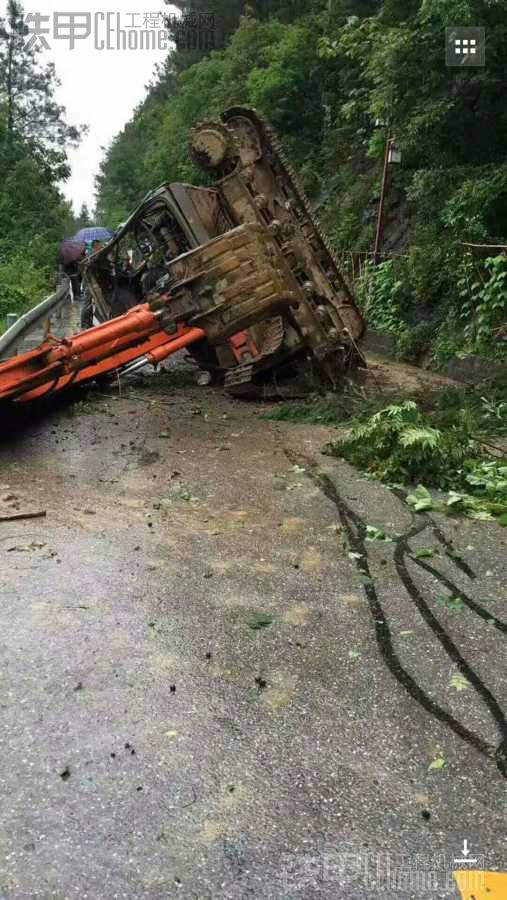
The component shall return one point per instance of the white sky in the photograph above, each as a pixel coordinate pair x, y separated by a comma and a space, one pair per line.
100, 88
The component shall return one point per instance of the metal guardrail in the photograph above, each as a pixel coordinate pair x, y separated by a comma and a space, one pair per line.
36, 318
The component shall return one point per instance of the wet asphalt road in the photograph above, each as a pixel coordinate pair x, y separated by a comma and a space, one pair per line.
204, 695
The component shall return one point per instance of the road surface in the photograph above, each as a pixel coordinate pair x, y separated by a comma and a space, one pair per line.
214, 687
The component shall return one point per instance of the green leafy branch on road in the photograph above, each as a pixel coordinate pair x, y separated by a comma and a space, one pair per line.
401, 444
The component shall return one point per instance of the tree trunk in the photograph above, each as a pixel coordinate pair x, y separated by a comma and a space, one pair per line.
10, 91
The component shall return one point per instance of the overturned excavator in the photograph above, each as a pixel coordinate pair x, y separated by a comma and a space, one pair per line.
239, 273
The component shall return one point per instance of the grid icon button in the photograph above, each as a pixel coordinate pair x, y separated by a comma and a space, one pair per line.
465, 47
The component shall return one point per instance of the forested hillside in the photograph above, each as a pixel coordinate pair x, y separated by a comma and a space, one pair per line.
334, 77
34, 137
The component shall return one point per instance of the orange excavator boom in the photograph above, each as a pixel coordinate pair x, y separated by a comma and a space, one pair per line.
57, 364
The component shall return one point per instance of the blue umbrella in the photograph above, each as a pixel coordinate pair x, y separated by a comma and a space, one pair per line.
88, 235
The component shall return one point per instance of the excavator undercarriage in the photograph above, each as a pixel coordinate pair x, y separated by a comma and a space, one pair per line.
240, 273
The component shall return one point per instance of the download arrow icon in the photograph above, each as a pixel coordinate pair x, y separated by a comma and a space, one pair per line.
466, 852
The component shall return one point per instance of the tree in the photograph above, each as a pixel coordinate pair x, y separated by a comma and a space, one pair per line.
84, 219
204, 25
27, 93
34, 137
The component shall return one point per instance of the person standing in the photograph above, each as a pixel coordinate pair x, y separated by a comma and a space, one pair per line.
87, 310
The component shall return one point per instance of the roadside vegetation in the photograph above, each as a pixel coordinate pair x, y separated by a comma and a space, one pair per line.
454, 440
34, 139
448, 448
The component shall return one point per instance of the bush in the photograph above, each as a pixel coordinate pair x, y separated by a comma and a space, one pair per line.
25, 275
401, 444
382, 294
487, 310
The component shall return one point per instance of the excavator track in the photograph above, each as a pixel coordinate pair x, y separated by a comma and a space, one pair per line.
279, 159
239, 381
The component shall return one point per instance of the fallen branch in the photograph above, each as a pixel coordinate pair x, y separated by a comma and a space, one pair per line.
16, 517
485, 246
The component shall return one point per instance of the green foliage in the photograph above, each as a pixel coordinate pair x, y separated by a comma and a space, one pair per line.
27, 94
34, 136
471, 413
34, 218
25, 275
223, 18
488, 305
478, 207
84, 219
401, 444
382, 293
470, 321
398, 444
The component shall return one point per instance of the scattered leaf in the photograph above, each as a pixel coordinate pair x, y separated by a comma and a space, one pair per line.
406, 633
171, 734
259, 620
453, 554
34, 545
425, 553
355, 555
376, 534
459, 682
365, 580
454, 499
453, 603
421, 499
437, 763
481, 515
354, 654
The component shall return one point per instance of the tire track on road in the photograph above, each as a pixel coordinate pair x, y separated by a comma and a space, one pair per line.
355, 529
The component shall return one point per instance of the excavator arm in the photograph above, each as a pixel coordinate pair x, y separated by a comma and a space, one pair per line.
218, 311
58, 364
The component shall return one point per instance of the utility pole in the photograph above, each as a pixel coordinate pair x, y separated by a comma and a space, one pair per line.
383, 191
